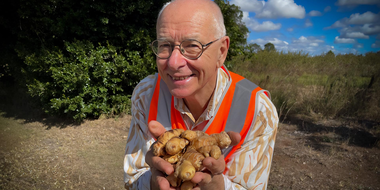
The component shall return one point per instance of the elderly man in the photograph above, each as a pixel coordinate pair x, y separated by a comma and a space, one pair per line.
194, 91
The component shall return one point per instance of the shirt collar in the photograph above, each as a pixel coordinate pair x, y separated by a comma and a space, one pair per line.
221, 84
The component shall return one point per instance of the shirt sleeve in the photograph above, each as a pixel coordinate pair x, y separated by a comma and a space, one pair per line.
249, 166
136, 171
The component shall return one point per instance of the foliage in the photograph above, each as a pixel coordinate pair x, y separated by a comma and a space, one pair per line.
252, 48
324, 85
84, 80
269, 47
236, 29
51, 50
330, 53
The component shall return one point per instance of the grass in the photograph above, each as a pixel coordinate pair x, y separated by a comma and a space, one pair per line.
332, 86
12, 133
89, 156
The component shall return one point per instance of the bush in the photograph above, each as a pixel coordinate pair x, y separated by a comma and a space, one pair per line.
84, 81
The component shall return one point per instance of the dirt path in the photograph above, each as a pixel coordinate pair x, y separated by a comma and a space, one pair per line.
324, 155
89, 156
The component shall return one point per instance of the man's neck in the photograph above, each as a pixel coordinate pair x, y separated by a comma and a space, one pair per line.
198, 103
197, 107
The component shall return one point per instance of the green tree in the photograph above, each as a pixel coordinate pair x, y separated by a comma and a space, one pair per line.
269, 47
252, 48
84, 58
330, 53
236, 29
81, 58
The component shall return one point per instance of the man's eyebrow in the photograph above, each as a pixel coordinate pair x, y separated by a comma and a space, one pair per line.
171, 40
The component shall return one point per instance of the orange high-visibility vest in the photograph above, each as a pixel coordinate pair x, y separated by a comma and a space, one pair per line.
236, 112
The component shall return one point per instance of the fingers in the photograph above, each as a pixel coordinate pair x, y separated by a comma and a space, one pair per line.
158, 181
202, 178
158, 163
235, 137
205, 180
156, 128
215, 166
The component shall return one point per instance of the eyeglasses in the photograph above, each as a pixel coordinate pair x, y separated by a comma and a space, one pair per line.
190, 48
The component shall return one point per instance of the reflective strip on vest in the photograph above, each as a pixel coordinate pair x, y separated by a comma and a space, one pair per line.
160, 104
236, 112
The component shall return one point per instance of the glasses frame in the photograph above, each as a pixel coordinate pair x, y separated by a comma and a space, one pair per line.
181, 49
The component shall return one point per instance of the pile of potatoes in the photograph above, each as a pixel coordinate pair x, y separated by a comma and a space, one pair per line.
186, 150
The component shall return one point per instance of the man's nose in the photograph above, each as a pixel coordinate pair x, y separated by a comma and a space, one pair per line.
176, 60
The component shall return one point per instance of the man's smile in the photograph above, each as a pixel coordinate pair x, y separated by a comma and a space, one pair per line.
179, 78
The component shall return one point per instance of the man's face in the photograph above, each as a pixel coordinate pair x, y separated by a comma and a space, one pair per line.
189, 78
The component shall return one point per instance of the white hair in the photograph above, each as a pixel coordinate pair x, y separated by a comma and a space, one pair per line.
220, 28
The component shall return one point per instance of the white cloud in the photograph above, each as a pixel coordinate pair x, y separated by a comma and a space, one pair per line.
259, 41
376, 44
315, 13
265, 26
368, 29
337, 24
356, 2
347, 51
271, 8
256, 26
274, 41
249, 5
358, 46
302, 39
343, 40
366, 23
356, 35
314, 44
307, 40
365, 18
280, 9
309, 44
279, 44
290, 29
308, 23
327, 9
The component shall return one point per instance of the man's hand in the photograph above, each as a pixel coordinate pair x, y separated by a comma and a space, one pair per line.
212, 177
158, 166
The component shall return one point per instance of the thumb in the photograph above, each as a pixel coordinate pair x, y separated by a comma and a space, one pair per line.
156, 128
235, 137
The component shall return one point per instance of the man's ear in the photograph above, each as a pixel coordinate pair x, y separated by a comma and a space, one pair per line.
223, 50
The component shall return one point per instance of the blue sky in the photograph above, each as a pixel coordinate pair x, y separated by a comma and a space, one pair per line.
314, 26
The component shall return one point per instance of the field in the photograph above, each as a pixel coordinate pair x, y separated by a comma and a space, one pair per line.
328, 135
47, 154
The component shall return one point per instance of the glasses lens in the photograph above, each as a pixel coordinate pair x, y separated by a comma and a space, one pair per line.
161, 48
191, 48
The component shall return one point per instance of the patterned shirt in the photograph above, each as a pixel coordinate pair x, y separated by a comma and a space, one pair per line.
248, 167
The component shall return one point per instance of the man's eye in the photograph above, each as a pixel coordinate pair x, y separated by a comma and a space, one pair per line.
191, 46
164, 46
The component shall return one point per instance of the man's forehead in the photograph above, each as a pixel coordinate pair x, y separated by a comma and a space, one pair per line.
179, 38
193, 26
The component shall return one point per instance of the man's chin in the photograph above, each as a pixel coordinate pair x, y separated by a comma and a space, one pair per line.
180, 93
